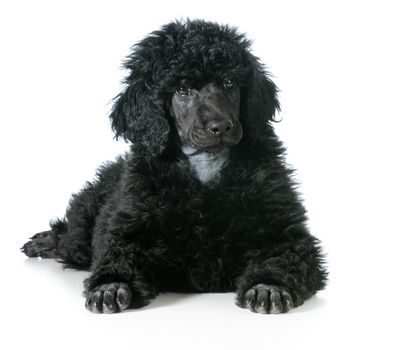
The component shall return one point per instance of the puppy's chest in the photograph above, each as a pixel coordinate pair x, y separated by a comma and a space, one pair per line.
203, 214
206, 167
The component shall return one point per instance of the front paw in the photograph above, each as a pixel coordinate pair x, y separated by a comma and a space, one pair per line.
109, 298
266, 299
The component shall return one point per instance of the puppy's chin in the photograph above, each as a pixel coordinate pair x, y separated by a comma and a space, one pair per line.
215, 148
221, 145
193, 149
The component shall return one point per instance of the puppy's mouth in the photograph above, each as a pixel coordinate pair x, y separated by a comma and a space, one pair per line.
200, 140
217, 147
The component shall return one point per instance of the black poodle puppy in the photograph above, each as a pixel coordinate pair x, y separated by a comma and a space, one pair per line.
203, 202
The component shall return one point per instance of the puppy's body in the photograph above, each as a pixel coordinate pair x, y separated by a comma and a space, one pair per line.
203, 201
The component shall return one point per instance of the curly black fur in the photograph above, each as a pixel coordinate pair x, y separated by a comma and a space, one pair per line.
146, 224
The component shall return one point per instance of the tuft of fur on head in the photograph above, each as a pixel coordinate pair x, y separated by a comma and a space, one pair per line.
193, 53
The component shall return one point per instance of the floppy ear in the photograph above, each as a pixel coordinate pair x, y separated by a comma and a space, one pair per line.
259, 101
138, 117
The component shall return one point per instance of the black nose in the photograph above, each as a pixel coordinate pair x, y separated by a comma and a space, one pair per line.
219, 127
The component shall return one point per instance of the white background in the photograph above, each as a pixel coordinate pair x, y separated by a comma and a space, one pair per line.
339, 65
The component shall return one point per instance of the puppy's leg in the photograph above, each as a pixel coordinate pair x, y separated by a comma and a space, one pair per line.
70, 238
69, 243
116, 282
283, 275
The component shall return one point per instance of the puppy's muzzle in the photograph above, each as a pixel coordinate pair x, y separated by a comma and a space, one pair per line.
220, 127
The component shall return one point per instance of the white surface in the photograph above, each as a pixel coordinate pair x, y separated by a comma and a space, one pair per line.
340, 68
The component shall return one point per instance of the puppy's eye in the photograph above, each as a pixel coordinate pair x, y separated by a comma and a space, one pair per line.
183, 91
228, 84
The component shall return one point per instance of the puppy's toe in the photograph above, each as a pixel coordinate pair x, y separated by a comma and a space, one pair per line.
124, 296
94, 302
109, 305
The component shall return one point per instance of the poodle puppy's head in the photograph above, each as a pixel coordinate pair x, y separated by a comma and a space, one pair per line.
195, 81
207, 119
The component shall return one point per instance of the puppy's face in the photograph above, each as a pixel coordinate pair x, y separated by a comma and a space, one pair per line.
208, 118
